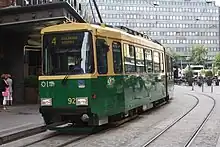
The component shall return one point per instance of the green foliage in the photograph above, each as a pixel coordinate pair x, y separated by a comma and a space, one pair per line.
218, 73
199, 54
217, 61
189, 74
203, 71
208, 73
214, 70
177, 56
31, 81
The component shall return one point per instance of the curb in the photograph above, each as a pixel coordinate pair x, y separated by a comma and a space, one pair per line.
18, 134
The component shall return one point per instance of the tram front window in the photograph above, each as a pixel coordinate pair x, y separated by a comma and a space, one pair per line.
68, 53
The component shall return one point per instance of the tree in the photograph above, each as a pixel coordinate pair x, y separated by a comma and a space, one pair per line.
178, 57
175, 56
199, 54
217, 61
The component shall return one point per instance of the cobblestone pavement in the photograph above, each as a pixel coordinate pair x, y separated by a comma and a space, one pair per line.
124, 135
139, 131
17, 116
179, 134
209, 135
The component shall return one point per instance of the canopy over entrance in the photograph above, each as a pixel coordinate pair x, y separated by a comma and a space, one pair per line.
20, 35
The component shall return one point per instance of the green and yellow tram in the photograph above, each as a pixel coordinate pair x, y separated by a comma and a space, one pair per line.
94, 74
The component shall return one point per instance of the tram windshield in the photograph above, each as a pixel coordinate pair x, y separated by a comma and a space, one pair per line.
68, 53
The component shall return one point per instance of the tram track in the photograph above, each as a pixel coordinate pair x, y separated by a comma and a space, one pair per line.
103, 130
54, 136
51, 138
73, 140
198, 129
40, 140
191, 139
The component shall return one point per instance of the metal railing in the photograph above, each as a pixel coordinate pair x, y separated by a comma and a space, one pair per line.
38, 2
31, 2
79, 7
73, 3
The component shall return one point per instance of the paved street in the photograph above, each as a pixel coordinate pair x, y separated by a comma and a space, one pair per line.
139, 131
19, 116
20, 121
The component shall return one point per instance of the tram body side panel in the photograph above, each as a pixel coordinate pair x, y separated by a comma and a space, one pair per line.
142, 89
158, 88
105, 97
109, 95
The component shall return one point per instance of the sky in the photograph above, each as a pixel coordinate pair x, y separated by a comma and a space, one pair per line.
217, 2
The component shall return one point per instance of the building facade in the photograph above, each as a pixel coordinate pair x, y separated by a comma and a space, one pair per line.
178, 24
20, 40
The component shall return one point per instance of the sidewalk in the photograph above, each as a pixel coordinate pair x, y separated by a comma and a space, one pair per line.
20, 121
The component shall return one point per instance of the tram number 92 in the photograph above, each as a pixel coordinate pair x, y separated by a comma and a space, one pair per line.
71, 101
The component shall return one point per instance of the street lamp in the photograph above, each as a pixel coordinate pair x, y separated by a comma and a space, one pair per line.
155, 5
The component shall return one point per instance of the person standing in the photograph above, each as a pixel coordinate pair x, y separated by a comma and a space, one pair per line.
5, 92
10, 82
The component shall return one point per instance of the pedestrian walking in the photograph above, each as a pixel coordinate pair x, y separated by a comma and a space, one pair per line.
10, 82
5, 90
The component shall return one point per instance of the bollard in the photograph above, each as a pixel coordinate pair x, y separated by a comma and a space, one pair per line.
212, 88
202, 87
192, 87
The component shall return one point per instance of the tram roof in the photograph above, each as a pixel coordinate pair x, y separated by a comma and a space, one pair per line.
103, 31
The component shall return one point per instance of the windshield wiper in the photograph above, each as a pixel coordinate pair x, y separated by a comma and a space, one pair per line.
64, 81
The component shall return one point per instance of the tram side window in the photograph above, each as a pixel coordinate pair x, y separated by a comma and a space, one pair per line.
117, 57
139, 60
101, 51
148, 61
129, 58
156, 62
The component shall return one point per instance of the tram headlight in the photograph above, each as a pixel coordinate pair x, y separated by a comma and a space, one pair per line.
82, 101
46, 101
